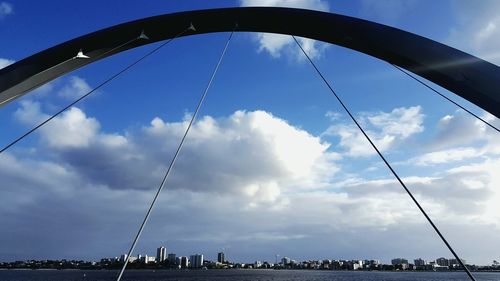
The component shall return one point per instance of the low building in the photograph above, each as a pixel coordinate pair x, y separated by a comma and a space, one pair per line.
455, 263
442, 262
419, 262
398, 261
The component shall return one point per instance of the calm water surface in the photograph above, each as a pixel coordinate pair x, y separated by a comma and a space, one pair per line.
239, 275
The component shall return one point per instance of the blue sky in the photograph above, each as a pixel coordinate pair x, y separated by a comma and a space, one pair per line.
273, 166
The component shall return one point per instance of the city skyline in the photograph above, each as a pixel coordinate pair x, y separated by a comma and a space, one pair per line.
196, 260
272, 165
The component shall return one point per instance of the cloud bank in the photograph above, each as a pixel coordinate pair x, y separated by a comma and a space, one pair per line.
250, 182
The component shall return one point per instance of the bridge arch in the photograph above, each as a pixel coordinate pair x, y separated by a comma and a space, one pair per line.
463, 74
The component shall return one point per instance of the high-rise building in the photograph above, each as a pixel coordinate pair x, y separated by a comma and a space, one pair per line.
171, 259
123, 257
221, 258
184, 262
161, 254
196, 261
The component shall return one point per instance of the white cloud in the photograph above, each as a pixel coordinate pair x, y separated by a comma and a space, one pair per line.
478, 29
445, 156
385, 129
76, 88
5, 62
482, 178
277, 44
253, 150
401, 122
387, 10
460, 129
30, 113
333, 116
71, 129
6, 9
465, 193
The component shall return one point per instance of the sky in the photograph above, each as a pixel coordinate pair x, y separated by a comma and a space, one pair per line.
272, 165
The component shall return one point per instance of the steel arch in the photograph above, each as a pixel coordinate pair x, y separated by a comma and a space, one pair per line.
463, 74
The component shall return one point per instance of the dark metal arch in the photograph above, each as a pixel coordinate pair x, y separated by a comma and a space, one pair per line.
467, 76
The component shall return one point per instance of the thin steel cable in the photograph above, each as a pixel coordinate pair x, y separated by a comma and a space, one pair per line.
445, 97
174, 158
386, 163
111, 78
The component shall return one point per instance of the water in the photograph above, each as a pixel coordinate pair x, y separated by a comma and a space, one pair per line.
237, 275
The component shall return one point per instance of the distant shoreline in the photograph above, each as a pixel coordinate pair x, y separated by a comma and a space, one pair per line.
226, 269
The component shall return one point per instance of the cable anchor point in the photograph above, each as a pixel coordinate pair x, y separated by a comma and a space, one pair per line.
80, 55
143, 36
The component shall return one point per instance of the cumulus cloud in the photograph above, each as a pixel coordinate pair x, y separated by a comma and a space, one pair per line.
251, 153
71, 129
386, 129
30, 113
6, 9
277, 44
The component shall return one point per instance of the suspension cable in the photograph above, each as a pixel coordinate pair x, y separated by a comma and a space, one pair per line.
385, 161
174, 158
111, 78
445, 97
